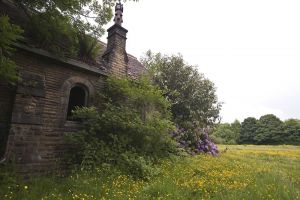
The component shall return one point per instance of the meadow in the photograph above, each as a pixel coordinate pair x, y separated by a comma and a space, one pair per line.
240, 172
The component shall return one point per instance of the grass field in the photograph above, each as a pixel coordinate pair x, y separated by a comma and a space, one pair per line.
240, 172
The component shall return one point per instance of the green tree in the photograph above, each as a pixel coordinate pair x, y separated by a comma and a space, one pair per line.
291, 131
270, 130
236, 128
193, 97
57, 24
9, 34
227, 133
224, 134
248, 130
85, 15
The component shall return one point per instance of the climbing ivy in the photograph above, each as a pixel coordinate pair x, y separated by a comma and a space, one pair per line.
9, 34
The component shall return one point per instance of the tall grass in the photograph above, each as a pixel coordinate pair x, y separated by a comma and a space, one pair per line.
240, 172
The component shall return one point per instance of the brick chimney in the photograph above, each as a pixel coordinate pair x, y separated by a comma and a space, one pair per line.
115, 55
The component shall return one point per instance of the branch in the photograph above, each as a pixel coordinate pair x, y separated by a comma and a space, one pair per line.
86, 16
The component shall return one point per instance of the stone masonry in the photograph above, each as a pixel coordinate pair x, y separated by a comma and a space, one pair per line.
33, 118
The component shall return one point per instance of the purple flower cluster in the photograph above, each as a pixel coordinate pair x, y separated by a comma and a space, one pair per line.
205, 145
195, 142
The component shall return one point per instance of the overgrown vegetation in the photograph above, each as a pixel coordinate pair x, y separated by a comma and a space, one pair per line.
9, 33
83, 15
226, 133
66, 28
194, 103
195, 141
132, 124
89, 47
129, 128
53, 32
243, 172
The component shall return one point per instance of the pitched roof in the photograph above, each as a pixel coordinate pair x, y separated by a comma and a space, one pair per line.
135, 68
17, 16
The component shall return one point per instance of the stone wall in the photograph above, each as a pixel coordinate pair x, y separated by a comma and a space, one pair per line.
36, 110
7, 94
38, 124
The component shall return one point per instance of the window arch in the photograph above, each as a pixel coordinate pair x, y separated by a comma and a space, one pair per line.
68, 85
77, 98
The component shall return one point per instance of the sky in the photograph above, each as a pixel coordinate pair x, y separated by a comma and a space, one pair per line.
249, 49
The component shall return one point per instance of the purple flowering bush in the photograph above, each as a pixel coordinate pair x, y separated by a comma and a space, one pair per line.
195, 141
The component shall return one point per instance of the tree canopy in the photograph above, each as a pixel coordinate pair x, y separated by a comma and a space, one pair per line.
67, 27
291, 130
227, 133
248, 130
63, 27
268, 129
193, 97
85, 15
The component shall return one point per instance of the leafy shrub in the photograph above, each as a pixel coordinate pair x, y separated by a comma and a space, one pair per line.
55, 34
195, 141
216, 140
9, 34
129, 128
205, 145
88, 47
138, 166
7, 175
226, 133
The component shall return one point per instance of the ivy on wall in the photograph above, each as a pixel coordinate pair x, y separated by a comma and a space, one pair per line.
9, 33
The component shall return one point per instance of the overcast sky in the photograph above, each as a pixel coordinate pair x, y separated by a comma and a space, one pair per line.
250, 49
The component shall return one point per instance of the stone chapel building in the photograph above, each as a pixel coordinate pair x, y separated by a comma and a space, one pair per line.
35, 114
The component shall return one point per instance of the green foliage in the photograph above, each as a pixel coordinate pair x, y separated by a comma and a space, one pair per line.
55, 34
55, 24
248, 129
236, 128
291, 129
193, 97
8, 70
89, 47
130, 128
7, 175
270, 130
243, 172
227, 133
9, 34
84, 15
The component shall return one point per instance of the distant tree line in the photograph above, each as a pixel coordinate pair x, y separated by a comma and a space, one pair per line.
268, 129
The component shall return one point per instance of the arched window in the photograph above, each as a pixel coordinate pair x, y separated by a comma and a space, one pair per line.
77, 98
